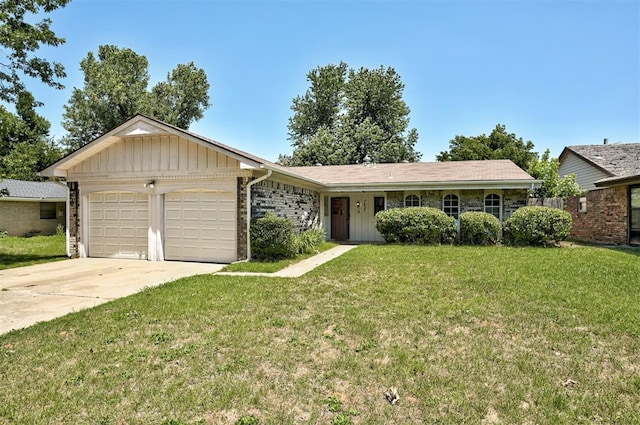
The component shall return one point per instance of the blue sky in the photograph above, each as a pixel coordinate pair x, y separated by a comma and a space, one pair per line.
557, 73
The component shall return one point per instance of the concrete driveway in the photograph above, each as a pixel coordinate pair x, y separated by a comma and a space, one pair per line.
45, 291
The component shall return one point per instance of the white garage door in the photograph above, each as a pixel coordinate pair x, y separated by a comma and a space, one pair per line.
200, 226
118, 223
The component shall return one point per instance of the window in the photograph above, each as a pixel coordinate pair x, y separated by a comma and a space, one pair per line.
582, 204
492, 205
378, 204
47, 210
451, 205
412, 201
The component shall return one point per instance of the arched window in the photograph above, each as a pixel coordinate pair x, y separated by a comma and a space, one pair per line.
451, 205
492, 205
412, 201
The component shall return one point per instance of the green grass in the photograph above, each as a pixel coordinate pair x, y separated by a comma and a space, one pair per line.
274, 266
467, 335
18, 252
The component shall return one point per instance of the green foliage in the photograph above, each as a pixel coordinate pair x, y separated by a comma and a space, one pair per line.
417, 225
540, 226
308, 241
272, 238
498, 145
60, 231
3, 234
248, 420
347, 115
115, 89
479, 228
25, 146
553, 186
21, 35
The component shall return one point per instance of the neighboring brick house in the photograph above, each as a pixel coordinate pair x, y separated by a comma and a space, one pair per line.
31, 208
149, 190
610, 210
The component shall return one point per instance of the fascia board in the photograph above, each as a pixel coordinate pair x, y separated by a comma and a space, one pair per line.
467, 185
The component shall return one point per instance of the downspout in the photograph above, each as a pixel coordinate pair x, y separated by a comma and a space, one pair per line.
249, 185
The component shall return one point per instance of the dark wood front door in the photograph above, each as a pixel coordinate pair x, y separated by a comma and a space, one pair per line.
634, 215
340, 219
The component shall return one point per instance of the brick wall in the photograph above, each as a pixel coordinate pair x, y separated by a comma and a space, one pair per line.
300, 205
74, 218
470, 200
20, 218
606, 217
242, 218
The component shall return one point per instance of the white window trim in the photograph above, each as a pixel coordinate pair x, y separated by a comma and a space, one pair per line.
407, 194
457, 195
500, 197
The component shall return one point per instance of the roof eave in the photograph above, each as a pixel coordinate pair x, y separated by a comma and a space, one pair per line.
454, 185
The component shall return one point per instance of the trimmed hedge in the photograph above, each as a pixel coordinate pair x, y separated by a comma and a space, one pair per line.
417, 225
541, 226
479, 228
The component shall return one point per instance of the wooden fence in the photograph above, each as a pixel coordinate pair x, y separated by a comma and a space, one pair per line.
546, 202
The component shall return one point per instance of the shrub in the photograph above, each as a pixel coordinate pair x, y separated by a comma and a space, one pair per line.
537, 226
419, 225
272, 238
479, 228
307, 241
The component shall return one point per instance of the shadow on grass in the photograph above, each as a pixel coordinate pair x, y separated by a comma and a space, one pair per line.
8, 261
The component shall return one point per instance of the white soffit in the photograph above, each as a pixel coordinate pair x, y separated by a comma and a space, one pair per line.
140, 128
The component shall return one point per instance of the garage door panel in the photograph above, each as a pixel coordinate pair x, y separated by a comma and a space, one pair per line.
118, 225
194, 229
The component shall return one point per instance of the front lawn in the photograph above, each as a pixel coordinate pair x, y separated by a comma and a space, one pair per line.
274, 266
466, 334
18, 251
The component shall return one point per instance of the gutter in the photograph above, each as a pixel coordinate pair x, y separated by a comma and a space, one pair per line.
249, 185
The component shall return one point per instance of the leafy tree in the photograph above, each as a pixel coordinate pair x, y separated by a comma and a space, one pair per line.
347, 115
553, 185
25, 145
498, 145
20, 38
115, 89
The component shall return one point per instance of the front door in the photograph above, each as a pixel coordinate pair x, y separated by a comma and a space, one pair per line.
340, 219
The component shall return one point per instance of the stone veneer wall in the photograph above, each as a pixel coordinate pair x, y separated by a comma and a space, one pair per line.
242, 218
20, 218
74, 218
470, 200
606, 217
300, 205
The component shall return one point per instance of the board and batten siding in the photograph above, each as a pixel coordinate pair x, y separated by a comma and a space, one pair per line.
586, 174
155, 153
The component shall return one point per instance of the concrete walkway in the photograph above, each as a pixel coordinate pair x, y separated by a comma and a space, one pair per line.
33, 294
302, 267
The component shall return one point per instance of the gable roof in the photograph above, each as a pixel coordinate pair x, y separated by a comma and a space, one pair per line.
427, 174
618, 159
140, 125
337, 177
25, 190
621, 161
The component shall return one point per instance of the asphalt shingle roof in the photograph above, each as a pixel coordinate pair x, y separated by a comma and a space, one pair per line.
34, 190
620, 159
415, 172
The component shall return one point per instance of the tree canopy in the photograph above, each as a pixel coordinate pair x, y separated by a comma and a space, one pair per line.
347, 115
553, 185
116, 88
498, 145
20, 38
25, 145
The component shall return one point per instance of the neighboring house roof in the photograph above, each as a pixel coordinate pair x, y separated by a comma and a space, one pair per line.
25, 190
620, 161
